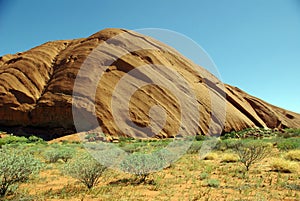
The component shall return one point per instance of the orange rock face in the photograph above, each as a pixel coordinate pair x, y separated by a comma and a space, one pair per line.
37, 90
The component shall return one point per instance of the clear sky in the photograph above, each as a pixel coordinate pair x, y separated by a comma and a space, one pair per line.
254, 43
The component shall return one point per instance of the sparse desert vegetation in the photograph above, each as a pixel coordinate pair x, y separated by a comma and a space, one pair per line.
85, 169
64, 171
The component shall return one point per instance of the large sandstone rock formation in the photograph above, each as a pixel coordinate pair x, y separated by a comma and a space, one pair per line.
36, 89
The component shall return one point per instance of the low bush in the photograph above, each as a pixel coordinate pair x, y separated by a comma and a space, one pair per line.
35, 139
195, 147
11, 139
66, 154
51, 156
126, 139
230, 135
54, 154
291, 132
288, 144
213, 183
16, 167
132, 147
92, 137
227, 144
200, 137
85, 169
203, 175
254, 133
17, 140
142, 165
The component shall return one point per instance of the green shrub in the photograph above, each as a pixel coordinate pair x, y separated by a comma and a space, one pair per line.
249, 133
288, 144
11, 139
35, 139
195, 147
66, 154
213, 183
291, 132
53, 155
142, 165
203, 175
16, 140
86, 170
200, 137
126, 139
227, 144
251, 152
36, 149
132, 147
16, 167
229, 135
91, 136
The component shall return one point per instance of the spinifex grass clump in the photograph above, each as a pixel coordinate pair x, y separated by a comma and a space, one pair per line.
293, 155
285, 166
16, 167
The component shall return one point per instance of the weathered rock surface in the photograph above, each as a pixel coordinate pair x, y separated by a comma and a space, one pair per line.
36, 89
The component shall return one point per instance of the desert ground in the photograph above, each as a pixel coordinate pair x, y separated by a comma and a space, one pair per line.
221, 175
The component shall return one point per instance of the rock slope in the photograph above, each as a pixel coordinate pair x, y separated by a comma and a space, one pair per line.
37, 87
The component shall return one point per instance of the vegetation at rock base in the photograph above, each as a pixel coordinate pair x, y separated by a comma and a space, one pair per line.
221, 175
11, 139
15, 167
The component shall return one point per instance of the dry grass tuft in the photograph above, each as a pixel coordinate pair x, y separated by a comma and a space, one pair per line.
284, 166
211, 156
293, 155
229, 158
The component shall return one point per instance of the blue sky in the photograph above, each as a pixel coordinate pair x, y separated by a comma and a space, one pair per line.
254, 43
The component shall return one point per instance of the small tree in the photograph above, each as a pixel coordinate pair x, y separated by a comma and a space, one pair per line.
251, 152
85, 169
16, 167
